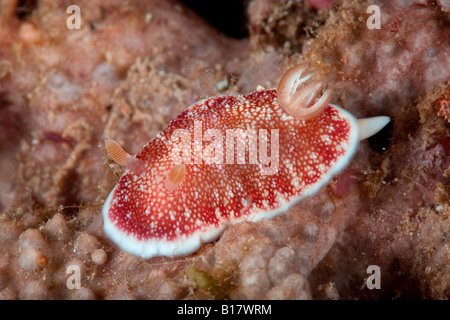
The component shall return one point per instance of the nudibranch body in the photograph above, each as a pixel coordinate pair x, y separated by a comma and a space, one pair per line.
222, 161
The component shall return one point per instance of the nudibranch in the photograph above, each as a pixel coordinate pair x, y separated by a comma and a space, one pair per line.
222, 161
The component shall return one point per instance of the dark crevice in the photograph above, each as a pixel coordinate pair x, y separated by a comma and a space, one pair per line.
70, 193
25, 8
380, 141
229, 17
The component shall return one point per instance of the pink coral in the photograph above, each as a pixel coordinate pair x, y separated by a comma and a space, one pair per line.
320, 4
442, 104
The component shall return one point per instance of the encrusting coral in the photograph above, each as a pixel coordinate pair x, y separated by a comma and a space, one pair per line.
133, 67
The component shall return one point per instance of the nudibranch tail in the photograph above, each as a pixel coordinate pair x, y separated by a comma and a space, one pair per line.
123, 158
300, 101
368, 127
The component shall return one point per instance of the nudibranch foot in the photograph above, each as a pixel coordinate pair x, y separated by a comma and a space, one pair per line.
172, 206
155, 247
